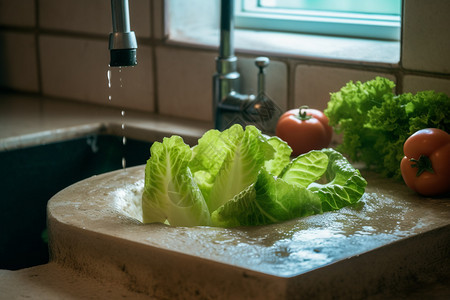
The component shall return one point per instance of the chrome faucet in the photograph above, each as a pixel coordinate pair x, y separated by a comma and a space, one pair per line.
122, 41
230, 106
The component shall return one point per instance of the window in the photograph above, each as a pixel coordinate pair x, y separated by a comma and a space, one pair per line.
375, 19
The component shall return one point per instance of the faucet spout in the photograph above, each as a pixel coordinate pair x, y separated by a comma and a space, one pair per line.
122, 41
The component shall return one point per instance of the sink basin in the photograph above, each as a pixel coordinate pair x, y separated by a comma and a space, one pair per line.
29, 177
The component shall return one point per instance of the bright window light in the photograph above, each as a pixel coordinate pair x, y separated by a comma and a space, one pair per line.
374, 19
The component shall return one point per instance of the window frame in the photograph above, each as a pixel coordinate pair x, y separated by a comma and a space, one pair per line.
360, 25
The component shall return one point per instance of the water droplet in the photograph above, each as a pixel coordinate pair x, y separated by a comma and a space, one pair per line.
124, 141
122, 113
108, 75
123, 126
124, 162
109, 97
121, 82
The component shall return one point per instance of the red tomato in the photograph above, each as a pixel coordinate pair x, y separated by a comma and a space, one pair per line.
426, 165
304, 129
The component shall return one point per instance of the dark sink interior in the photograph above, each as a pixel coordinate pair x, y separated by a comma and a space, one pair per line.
29, 177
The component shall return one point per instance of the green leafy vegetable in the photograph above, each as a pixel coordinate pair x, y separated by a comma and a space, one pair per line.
344, 186
240, 155
241, 177
170, 192
281, 158
269, 200
375, 122
306, 168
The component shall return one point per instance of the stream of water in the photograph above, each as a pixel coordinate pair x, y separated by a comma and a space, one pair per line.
109, 73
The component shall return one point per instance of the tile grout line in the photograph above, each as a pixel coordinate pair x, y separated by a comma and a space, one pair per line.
37, 45
154, 56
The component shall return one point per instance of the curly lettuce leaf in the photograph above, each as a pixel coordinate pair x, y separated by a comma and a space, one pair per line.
269, 200
347, 113
345, 185
375, 122
170, 192
281, 158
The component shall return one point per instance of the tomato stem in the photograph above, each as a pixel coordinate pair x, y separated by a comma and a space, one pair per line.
302, 113
422, 164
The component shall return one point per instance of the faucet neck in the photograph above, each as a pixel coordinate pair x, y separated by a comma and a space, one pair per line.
226, 29
122, 41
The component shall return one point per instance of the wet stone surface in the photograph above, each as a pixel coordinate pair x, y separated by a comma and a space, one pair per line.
388, 212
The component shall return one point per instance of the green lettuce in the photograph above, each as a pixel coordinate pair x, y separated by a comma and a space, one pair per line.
228, 162
269, 200
342, 184
240, 177
295, 193
281, 157
375, 122
306, 168
170, 191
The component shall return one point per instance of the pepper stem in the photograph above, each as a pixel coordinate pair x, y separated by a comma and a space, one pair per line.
422, 164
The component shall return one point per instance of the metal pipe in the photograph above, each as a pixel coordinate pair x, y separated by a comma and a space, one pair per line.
120, 15
226, 29
122, 41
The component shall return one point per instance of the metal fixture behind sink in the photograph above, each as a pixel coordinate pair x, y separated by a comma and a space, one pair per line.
230, 106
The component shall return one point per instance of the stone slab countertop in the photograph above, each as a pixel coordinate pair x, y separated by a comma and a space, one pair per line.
27, 120
391, 242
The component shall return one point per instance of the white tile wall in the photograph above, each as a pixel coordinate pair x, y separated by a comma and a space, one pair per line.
185, 82
17, 13
413, 84
92, 16
313, 84
77, 68
74, 57
18, 61
426, 38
